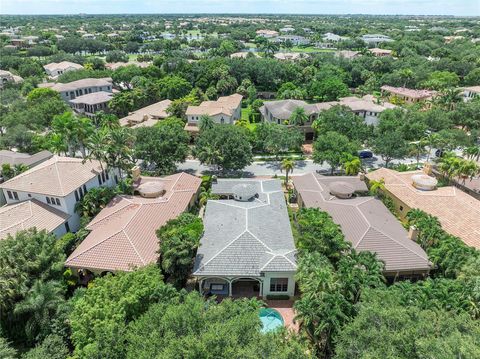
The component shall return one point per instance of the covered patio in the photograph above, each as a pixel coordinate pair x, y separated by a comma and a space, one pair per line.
236, 287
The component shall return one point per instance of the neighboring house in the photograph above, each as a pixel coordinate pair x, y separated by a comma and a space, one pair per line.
289, 56
71, 90
380, 52
471, 92
123, 235
243, 55
17, 158
365, 221
296, 40
408, 95
375, 39
147, 116
247, 248
280, 111
117, 65
226, 110
330, 37
8, 77
267, 33
60, 183
27, 214
89, 36
287, 29
54, 69
458, 212
347, 54
91, 103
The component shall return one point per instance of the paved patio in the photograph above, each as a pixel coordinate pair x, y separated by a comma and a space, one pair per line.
285, 308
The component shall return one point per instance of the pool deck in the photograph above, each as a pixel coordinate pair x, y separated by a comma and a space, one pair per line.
285, 308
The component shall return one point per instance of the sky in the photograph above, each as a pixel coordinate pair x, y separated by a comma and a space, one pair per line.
389, 7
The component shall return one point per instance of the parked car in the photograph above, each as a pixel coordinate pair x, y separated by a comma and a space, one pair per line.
365, 154
439, 153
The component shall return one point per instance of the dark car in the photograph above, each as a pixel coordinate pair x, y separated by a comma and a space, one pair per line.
439, 153
365, 154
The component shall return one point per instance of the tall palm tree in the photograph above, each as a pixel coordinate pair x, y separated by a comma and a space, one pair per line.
449, 98
472, 152
270, 48
298, 117
206, 123
417, 149
40, 305
467, 169
431, 140
376, 187
406, 75
288, 165
352, 166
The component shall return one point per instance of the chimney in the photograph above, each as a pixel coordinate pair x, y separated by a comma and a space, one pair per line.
413, 233
135, 173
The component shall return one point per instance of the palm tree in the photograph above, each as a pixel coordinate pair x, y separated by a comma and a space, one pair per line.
432, 140
206, 123
406, 75
467, 169
449, 98
298, 117
352, 166
377, 187
40, 305
417, 149
472, 152
96, 146
270, 48
288, 165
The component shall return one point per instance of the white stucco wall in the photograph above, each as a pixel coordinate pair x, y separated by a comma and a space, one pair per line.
291, 283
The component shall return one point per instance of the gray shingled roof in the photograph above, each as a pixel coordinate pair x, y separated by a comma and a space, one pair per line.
246, 238
365, 221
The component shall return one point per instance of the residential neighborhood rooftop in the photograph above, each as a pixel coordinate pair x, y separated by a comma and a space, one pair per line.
411, 93
63, 65
57, 176
79, 84
146, 116
16, 158
224, 104
246, 235
93, 98
458, 212
364, 220
123, 234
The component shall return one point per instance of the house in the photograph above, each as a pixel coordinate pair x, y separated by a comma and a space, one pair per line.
375, 39
347, 54
365, 221
287, 29
244, 55
117, 65
17, 158
70, 90
147, 116
268, 34
7, 77
280, 111
296, 40
59, 183
458, 212
55, 69
89, 36
247, 248
380, 52
123, 235
27, 214
408, 95
289, 56
471, 92
226, 110
91, 103
330, 37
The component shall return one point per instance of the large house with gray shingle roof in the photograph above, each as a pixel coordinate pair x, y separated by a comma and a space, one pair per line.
248, 247
366, 223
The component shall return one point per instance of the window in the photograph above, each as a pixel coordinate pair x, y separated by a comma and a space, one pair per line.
401, 208
76, 196
106, 175
103, 176
48, 200
29, 195
9, 194
99, 179
15, 195
57, 201
278, 284
67, 227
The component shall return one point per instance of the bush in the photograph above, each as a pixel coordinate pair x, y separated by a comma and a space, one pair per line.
278, 297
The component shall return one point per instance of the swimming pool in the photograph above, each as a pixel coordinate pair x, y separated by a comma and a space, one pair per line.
271, 320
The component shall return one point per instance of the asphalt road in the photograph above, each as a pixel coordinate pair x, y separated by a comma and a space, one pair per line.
271, 168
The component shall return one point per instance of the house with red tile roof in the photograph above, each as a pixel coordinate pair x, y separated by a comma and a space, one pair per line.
123, 235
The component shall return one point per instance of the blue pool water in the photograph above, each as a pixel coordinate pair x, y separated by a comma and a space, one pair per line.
271, 320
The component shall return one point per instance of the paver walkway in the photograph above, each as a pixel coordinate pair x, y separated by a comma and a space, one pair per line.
285, 308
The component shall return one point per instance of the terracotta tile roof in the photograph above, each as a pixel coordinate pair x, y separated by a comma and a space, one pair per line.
16, 158
145, 115
365, 222
403, 91
93, 98
57, 176
79, 84
62, 66
28, 214
224, 105
123, 234
458, 212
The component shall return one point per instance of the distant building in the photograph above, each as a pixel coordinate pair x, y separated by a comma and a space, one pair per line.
330, 37
17, 158
375, 39
471, 92
91, 103
7, 77
71, 90
147, 116
117, 65
348, 54
226, 110
289, 56
380, 52
243, 55
408, 95
267, 33
296, 40
54, 69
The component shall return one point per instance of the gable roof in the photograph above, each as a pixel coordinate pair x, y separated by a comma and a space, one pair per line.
16, 158
123, 234
365, 222
458, 212
62, 66
79, 84
246, 238
28, 214
154, 111
412, 93
57, 176
224, 105
93, 98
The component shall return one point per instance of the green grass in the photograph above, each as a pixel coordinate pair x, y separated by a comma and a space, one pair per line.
309, 49
132, 57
